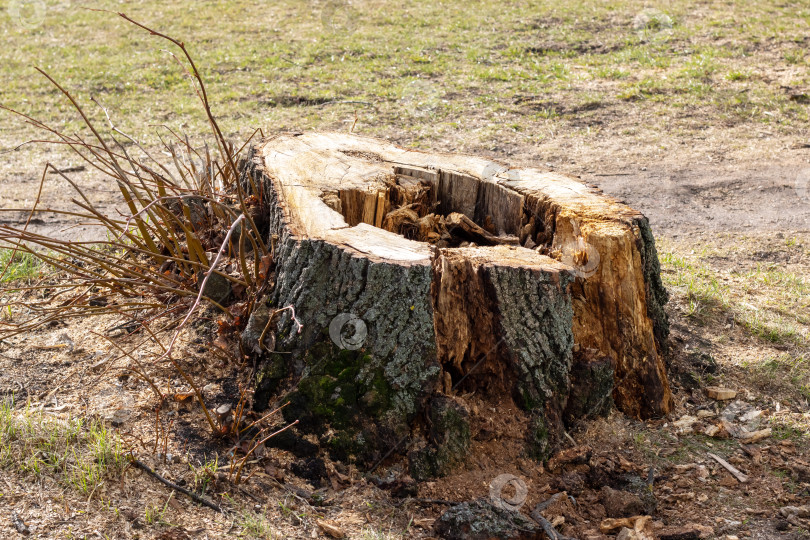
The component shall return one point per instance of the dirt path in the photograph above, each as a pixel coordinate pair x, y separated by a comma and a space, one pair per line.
704, 198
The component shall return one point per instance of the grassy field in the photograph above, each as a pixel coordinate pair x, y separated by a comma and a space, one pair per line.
471, 75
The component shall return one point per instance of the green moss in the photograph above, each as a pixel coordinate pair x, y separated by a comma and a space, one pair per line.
530, 400
657, 295
454, 440
342, 390
422, 464
480, 519
591, 390
343, 445
539, 443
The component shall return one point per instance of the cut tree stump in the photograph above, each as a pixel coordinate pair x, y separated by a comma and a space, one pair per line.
420, 277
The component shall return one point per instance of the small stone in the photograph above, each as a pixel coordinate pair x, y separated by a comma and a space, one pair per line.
734, 410
795, 511
625, 534
720, 394
119, 416
217, 288
19, 524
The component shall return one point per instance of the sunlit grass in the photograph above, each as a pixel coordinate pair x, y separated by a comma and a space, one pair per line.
770, 301
294, 65
80, 454
18, 266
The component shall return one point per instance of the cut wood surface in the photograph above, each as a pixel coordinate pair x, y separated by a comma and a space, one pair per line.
465, 272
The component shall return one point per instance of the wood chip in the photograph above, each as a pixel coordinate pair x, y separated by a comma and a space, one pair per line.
755, 436
330, 528
576, 455
711, 430
730, 468
611, 524
720, 394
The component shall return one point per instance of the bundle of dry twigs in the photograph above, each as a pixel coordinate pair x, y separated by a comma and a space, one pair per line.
189, 234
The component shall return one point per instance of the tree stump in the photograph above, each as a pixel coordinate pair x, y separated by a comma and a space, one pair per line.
420, 277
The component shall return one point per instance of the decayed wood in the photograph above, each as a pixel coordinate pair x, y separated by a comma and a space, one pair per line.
467, 276
331, 192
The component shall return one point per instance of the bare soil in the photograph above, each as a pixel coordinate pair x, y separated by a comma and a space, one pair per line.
689, 204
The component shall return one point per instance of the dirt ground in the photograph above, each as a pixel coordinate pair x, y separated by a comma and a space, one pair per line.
750, 204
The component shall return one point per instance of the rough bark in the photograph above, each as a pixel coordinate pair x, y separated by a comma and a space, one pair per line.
547, 272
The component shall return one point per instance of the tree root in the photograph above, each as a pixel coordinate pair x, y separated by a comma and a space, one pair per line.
548, 528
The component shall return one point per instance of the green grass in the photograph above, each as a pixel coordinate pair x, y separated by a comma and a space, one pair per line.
769, 302
290, 65
155, 515
21, 267
78, 454
720, 284
783, 372
254, 525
